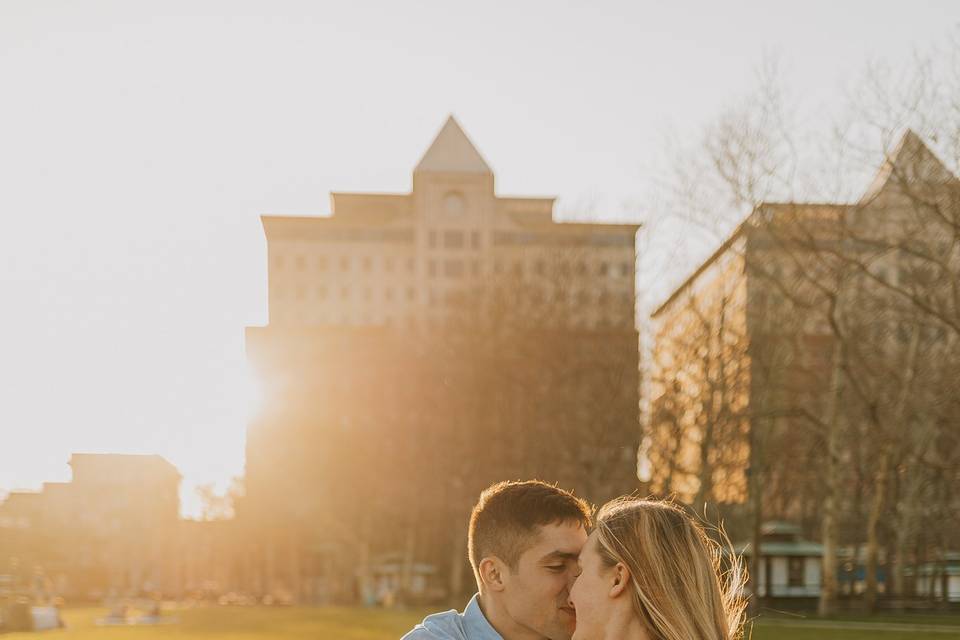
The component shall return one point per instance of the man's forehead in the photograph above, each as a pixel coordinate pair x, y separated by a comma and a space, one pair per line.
563, 539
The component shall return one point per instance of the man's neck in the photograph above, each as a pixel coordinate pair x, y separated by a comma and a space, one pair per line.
502, 623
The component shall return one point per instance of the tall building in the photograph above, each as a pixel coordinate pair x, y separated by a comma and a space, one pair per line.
111, 529
812, 315
421, 346
405, 259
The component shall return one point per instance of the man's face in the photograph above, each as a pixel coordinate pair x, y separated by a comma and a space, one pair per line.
536, 595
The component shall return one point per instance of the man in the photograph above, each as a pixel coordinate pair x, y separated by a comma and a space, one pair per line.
523, 542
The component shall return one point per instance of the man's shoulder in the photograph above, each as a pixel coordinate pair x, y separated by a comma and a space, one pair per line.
446, 625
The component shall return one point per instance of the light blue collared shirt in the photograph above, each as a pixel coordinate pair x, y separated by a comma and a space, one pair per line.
452, 625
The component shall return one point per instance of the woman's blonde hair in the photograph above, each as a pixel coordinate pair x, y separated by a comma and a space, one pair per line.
680, 588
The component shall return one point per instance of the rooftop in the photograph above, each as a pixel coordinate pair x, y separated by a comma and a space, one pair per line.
452, 152
911, 158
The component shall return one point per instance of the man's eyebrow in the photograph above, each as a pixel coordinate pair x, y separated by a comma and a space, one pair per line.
559, 555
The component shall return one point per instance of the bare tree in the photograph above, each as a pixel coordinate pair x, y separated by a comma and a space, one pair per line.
864, 318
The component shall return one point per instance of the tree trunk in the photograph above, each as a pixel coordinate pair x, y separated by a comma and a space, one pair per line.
409, 557
883, 470
898, 588
756, 531
873, 521
296, 582
457, 560
270, 583
363, 577
828, 593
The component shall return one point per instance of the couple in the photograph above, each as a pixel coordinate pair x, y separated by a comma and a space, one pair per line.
644, 570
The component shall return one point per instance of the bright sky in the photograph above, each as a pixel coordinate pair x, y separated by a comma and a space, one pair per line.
140, 141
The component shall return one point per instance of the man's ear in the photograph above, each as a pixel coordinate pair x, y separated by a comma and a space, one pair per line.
491, 571
621, 580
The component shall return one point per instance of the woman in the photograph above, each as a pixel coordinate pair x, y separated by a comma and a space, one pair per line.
649, 571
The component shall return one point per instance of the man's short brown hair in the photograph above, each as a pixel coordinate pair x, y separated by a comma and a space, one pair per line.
505, 520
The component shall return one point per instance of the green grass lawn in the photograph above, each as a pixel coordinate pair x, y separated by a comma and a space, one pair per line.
338, 623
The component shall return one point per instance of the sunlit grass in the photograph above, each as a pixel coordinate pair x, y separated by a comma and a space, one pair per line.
234, 623
321, 623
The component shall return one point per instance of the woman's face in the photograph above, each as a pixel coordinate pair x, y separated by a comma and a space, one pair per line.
590, 595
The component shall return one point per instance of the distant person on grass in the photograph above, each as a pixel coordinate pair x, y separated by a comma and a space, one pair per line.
523, 541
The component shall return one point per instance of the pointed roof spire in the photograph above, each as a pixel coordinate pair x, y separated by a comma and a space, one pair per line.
910, 161
452, 152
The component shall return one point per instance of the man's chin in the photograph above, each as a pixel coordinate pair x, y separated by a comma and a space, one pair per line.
568, 618
562, 633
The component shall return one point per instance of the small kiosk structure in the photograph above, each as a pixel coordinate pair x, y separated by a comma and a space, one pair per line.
789, 566
939, 580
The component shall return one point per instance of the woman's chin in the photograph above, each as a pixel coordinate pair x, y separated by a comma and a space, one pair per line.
580, 633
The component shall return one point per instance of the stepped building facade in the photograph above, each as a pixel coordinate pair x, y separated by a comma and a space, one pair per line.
405, 259
421, 346
755, 352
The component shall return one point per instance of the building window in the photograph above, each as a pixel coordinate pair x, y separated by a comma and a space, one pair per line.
453, 268
344, 293
475, 268
453, 239
518, 269
301, 263
581, 269
344, 263
278, 261
411, 293
367, 294
410, 264
432, 268
388, 294
603, 269
367, 262
322, 263
321, 293
540, 267
795, 571
301, 292
625, 269
388, 265
432, 240
453, 203
475, 239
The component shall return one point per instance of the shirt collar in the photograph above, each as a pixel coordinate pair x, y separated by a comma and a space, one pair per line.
475, 624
